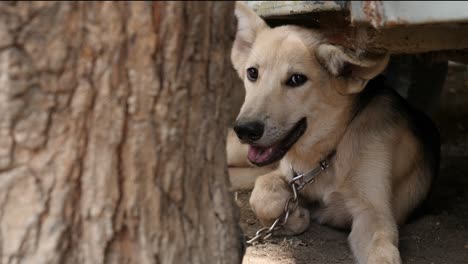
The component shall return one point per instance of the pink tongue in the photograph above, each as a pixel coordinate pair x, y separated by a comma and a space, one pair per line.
259, 154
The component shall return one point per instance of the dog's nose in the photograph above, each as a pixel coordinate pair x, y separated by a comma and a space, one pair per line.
249, 131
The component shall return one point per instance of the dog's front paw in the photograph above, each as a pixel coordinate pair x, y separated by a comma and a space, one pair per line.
268, 201
384, 253
297, 222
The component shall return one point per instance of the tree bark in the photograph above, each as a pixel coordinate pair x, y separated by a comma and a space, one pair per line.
112, 133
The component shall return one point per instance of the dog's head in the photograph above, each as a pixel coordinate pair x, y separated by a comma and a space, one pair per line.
296, 83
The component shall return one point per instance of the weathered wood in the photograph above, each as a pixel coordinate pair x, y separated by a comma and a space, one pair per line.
395, 40
112, 131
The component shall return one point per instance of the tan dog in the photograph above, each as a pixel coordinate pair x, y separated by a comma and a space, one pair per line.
306, 98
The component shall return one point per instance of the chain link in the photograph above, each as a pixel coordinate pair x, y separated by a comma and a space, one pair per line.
296, 184
291, 205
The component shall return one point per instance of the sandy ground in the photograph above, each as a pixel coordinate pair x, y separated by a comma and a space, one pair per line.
438, 235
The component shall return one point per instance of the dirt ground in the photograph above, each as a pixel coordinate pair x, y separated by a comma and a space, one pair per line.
439, 235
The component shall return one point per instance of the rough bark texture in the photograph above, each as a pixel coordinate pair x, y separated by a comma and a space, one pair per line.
112, 124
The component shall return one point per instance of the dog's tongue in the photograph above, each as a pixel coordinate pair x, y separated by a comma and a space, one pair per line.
259, 154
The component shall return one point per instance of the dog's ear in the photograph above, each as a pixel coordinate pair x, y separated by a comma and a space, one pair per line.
249, 25
353, 68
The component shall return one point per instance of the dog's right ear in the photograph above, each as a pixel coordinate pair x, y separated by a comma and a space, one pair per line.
352, 68
249, 25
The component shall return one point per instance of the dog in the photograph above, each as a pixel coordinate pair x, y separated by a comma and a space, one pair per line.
307, 101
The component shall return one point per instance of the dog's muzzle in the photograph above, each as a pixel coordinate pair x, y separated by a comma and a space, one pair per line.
249, 132
264, 155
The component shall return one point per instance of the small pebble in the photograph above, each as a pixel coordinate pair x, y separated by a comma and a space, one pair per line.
303, 244
295, 242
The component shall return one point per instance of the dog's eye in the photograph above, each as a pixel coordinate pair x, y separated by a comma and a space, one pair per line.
252, 74
296, 80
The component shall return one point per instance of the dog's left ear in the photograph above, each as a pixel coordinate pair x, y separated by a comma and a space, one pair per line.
351, 67
249, 25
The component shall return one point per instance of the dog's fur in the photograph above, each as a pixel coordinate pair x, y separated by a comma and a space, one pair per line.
386, 152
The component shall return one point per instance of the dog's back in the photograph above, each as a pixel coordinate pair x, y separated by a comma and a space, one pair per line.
399, 112
418, 122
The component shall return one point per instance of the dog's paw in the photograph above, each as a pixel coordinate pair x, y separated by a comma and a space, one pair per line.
297, 222
268, 201
384, 253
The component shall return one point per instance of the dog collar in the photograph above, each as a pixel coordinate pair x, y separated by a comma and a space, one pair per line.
302, 180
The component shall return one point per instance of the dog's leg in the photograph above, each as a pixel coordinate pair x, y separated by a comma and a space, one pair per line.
236, 152
374, 233
243, 178
374, 238
269, 198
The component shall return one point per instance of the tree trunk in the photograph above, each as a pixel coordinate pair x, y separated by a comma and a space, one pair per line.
112, 133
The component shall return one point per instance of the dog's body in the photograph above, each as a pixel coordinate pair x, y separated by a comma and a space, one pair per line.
305, 99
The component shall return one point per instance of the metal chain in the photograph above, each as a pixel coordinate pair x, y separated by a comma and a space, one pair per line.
296, 184
291, 205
